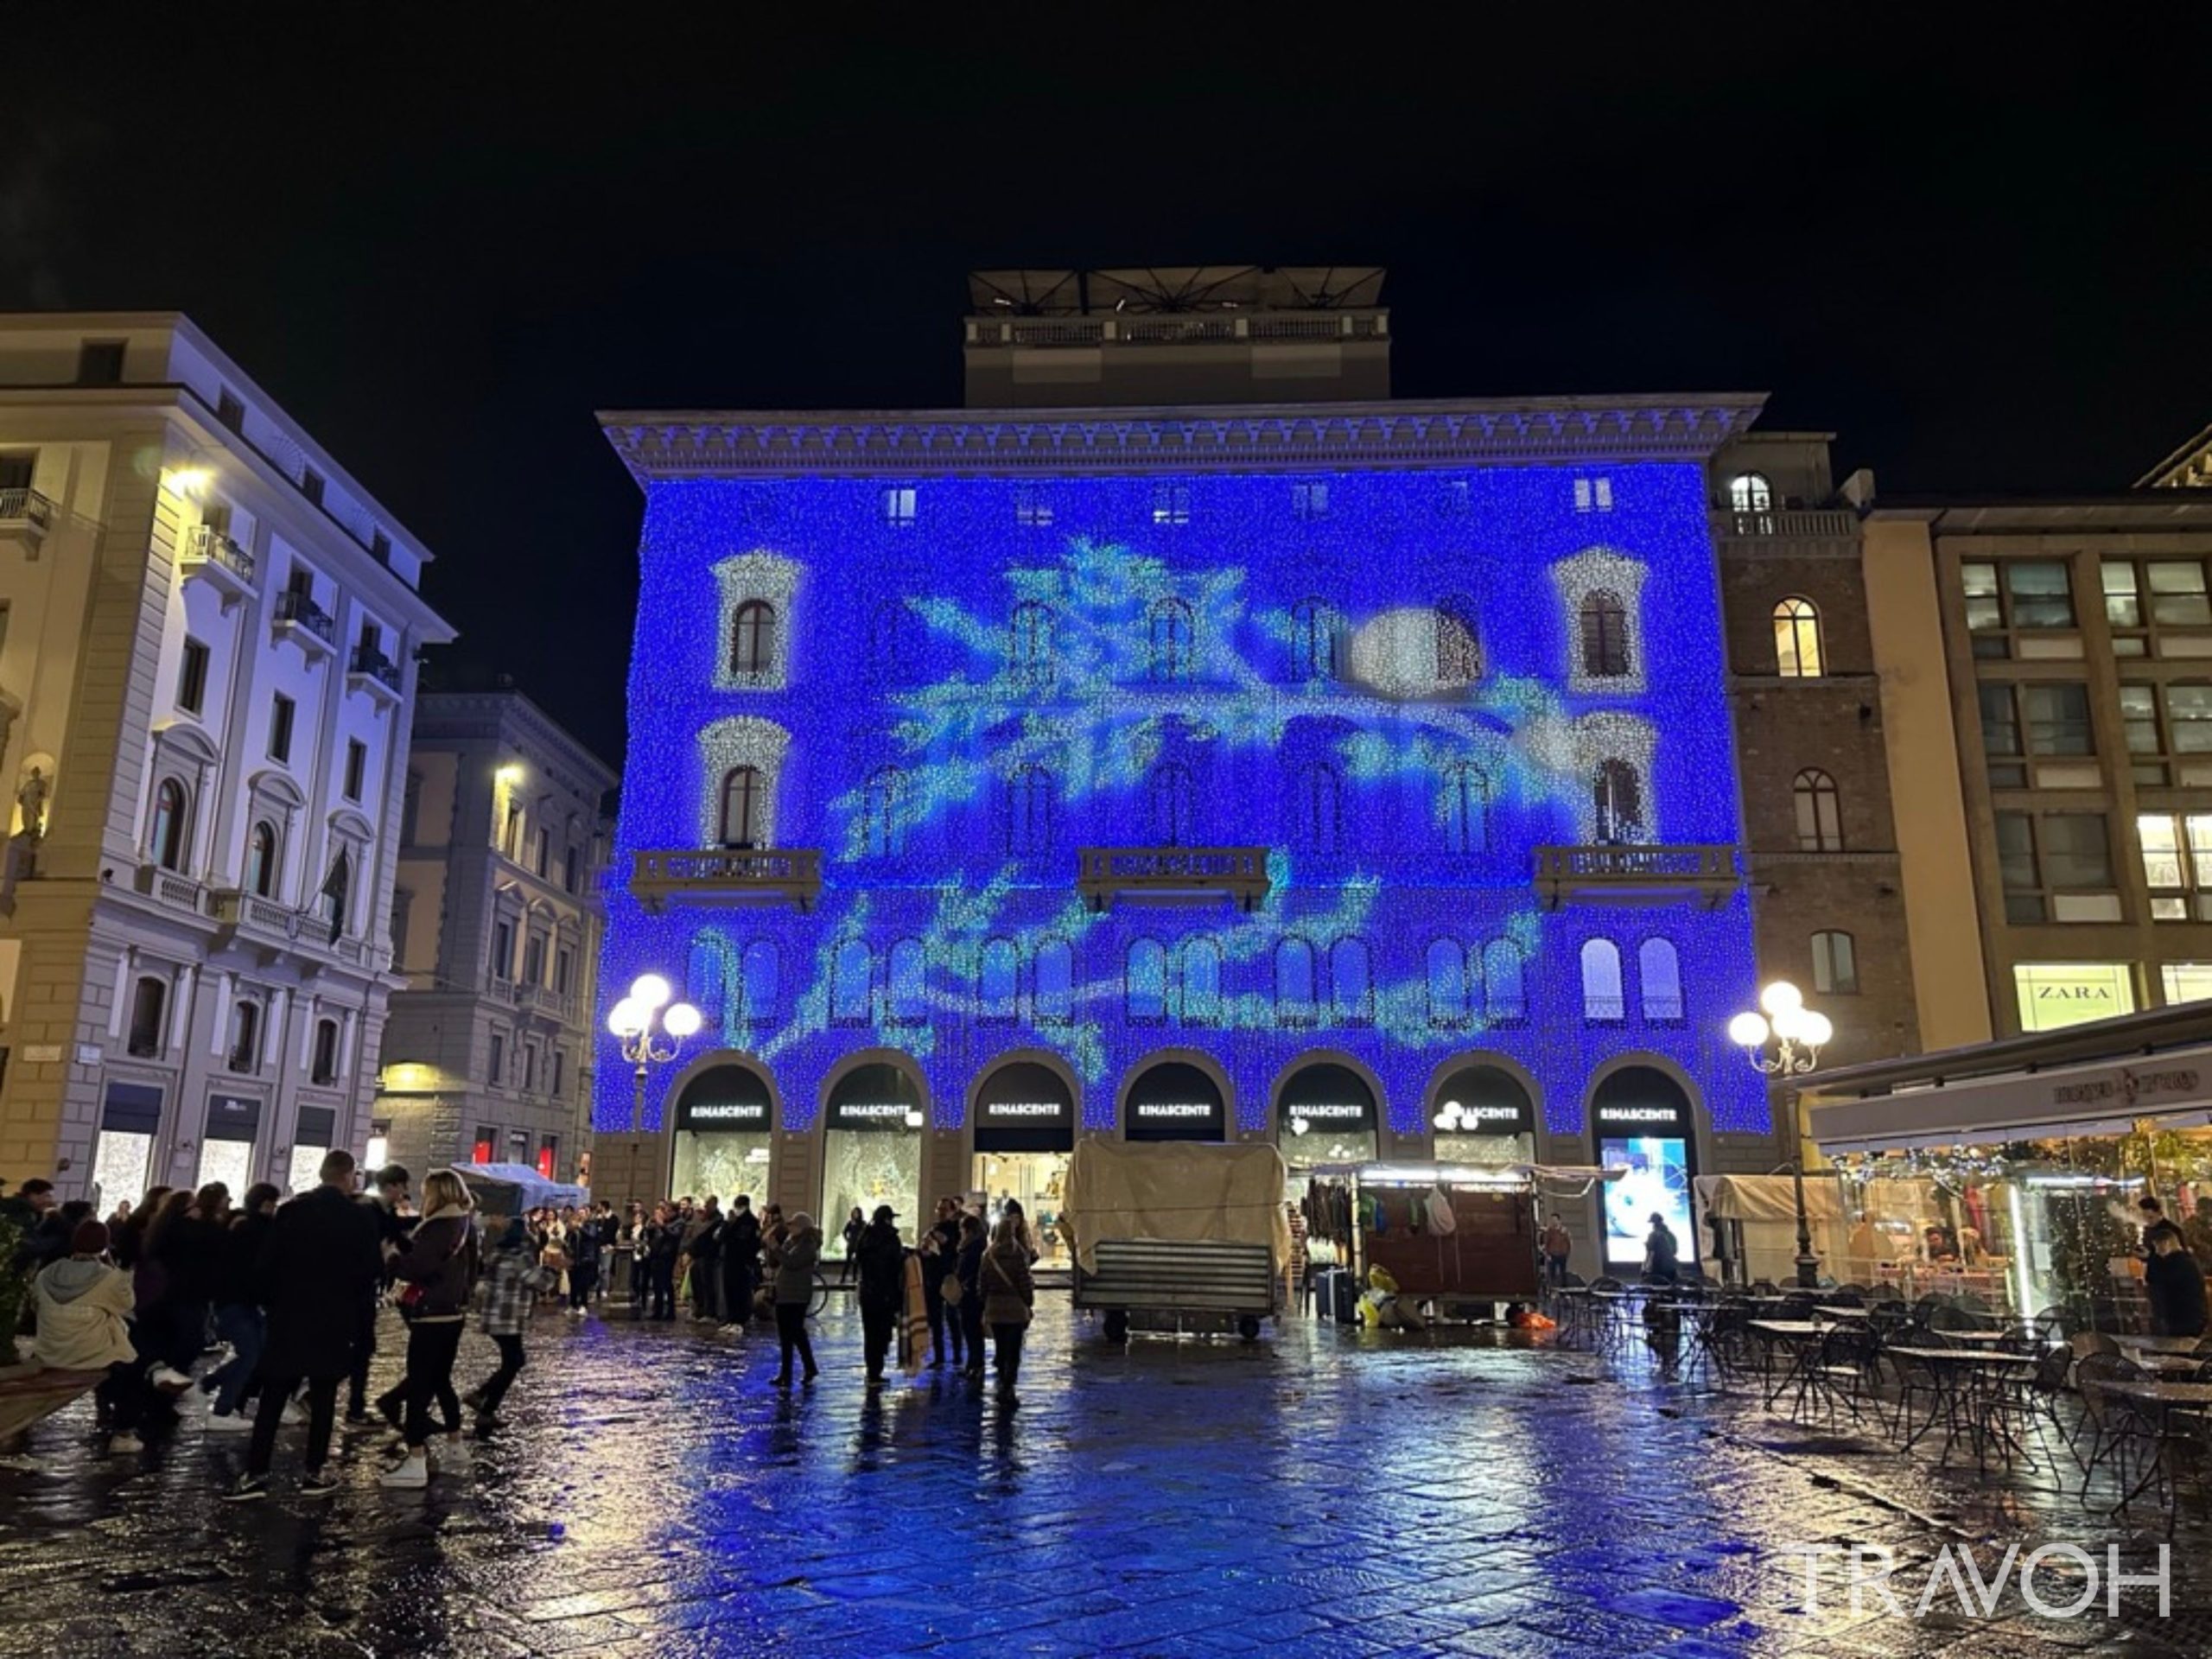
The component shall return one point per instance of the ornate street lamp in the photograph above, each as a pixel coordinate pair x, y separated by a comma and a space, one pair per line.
1798, 1033
651, 1028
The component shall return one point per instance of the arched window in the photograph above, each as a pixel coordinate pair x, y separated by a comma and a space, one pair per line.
1447, 983
1835, 964
1464, 792
1602, 998
1819, 812
1605, 636
1659, 974
1294, 981
1459, 658
1030, 647
909, 982
246, 1036
1055, 971
1201, 983
1750, 492
1172, 805
1504, 1003
1618, 799
261, 860
336, 891
996, 985
324, 1067
1172, 635
753, 640
745, 802
1147, 980
168, 837
149, 1001
1029, 811
885, 828
1797, 640
1320, 808
759, 973
1312, 640
1349, 983
851, 984
704, 983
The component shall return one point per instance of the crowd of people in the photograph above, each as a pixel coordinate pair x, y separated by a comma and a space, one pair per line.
251, 1315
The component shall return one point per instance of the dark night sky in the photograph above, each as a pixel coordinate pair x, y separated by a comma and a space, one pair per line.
1983, 259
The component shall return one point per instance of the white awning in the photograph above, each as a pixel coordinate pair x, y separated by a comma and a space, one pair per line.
2069, 1103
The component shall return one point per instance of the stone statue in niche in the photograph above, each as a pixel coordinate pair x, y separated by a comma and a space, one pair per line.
30, 801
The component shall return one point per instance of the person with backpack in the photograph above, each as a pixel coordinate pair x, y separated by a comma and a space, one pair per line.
437, 1268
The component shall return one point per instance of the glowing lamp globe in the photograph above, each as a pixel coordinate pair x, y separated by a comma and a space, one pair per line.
1790, 1024
1817, 1028
1781, 996
683, 1020
625, 1019
650, 991
1747, 1031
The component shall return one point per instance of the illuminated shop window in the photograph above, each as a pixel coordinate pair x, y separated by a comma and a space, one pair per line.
2054, 995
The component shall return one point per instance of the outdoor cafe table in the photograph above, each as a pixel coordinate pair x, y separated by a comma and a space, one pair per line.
2157, 1401
1802, 1338
1843, 1313
2160, 1344
1966, 1378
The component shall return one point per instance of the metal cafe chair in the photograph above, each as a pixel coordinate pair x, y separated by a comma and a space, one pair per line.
1847, 1370
2116, 1430
1916, 1379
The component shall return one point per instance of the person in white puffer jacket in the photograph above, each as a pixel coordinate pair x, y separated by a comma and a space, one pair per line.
84, 1307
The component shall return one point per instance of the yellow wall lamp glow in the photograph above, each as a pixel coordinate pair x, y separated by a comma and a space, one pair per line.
189, 481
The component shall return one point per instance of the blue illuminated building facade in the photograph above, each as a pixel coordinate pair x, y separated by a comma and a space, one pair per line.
1269, 772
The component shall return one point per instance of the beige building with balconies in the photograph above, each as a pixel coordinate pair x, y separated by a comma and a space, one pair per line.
207, 634
496, 929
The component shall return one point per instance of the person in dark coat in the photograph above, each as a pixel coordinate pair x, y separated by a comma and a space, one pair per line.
741, 1262
940, 1252
439, 1266
882, 1263
969, 1270
320, 1263
388, 1206
585, 1244
2174, 1285
238, 1318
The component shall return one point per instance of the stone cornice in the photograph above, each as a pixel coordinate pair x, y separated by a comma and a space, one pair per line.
1304, 437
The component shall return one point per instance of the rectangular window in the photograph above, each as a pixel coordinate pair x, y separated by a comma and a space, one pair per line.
568, 871
496, 1071
2037, 594
2000, 736
533, 960
503, 950
1032, 507
192, 679
529, 1065
564, 963
2189, 719
541, 852
1309, 501
357, 767
1984, 608
2143, 597
410, 809
380, 547
487, 1144
2076, 851
2177, 853
1835, 964
1594, 495
1171, 504
511, 836
2057, 719
2186, 981
230, 409
899, 507
99, 363
560, 1073
2016, 862
280, 728
311, 485
402, 904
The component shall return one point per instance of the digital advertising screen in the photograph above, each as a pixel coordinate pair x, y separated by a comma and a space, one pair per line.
1657, 1183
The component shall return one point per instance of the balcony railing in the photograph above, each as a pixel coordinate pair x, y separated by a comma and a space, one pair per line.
1634, 875
209, 552
1172, 875
176, 890
541, 999
1836, 524
373, 666
298, 611
727, 877
24, 516
251, 913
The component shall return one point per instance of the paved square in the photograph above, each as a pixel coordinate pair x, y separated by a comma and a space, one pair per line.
1321, 1492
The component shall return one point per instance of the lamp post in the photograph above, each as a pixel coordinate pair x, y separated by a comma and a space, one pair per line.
650, 1028
1798, 1034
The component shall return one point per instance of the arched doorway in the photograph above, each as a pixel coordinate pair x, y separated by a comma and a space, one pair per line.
1175, 1100
1023, 1119
1483, 1113
1326, 1113
1641, 1121
724, 1127
872, 1119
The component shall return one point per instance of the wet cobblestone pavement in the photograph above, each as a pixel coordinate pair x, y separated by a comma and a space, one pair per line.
1320, 1492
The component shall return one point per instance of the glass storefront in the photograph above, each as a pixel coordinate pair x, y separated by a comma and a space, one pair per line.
1484, 1116
1024, 1131
226, 1151
2054, 994
871, 1152
725, 1135
123, 1157
1327, 1115
1643, 1124
1173, 1100
315, 1133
